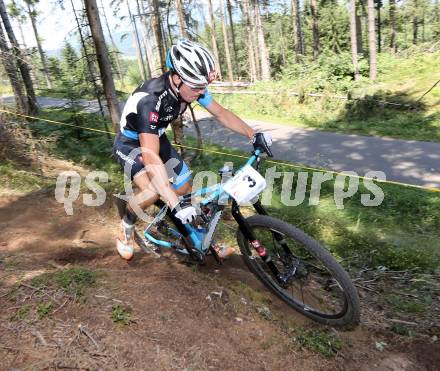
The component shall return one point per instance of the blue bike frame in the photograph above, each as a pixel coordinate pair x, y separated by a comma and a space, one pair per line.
214, 192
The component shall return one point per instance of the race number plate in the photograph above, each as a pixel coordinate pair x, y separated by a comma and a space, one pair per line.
245, 185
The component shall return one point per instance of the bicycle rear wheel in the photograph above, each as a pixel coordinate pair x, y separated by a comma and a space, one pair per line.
316, 285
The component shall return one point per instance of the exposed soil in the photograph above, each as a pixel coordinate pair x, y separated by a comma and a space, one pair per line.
181, 317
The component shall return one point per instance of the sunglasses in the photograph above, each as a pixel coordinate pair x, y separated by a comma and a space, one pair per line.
196, 88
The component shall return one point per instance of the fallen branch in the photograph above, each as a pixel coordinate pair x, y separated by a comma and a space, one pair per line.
40, 337
62, 305
402, 322
366, 288
405, 294
432, 87
39, 289
85, 332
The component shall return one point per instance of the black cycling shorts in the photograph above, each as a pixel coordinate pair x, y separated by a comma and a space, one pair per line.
177, 170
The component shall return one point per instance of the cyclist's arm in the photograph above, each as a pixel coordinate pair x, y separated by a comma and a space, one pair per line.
156, 169
146, 122
229, 120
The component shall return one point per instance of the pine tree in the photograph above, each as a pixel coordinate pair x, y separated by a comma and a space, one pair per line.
11, 71
104, 62
32, 13
32, 104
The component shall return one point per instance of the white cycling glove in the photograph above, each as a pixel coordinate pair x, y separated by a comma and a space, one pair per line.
186, 213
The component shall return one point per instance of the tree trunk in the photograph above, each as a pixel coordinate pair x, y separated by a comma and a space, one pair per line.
371, 39
297, 29
226, 41
170, 34
359, 37
11, 71
137, 44
181, 19
166, 46
231, 25
147, 41
415, 23
214, 39
25, 52
353, 37
264, 53
32, 105
158, 34
393, 44
365, 24
90, 64
379, 30
144, 32
254, 37
115, 48
315, 28
32, 16
179, 138
251, 47
103, 62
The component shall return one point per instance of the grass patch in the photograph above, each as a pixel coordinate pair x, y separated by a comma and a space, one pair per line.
74, 281
18, 177
121, 315
402, 330
254, 296
401, 80
44, 309
22, 313
6, 90
87, 148
319, 341
407, 306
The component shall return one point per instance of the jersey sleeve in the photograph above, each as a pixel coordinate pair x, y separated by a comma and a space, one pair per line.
147, 118
205, 99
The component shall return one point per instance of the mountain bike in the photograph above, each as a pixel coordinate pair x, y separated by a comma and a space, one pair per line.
291, 264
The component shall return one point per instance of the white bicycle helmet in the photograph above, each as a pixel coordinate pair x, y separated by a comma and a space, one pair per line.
192, 62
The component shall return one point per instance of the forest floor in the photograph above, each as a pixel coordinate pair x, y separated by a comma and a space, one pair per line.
68, 301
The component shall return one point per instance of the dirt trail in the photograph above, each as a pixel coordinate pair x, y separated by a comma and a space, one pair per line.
181, 317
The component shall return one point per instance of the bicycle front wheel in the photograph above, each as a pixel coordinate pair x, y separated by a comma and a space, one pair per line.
313, 282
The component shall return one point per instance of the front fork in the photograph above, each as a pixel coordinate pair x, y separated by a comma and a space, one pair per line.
250, 236
278, 236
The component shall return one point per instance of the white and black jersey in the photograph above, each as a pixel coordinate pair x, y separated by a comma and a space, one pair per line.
153, 106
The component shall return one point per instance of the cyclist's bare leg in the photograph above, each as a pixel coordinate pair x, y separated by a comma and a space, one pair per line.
145, 197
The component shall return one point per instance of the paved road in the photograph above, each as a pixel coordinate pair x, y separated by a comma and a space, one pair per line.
412, 162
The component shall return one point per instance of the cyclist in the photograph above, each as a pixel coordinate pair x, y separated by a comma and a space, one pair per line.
157, 169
